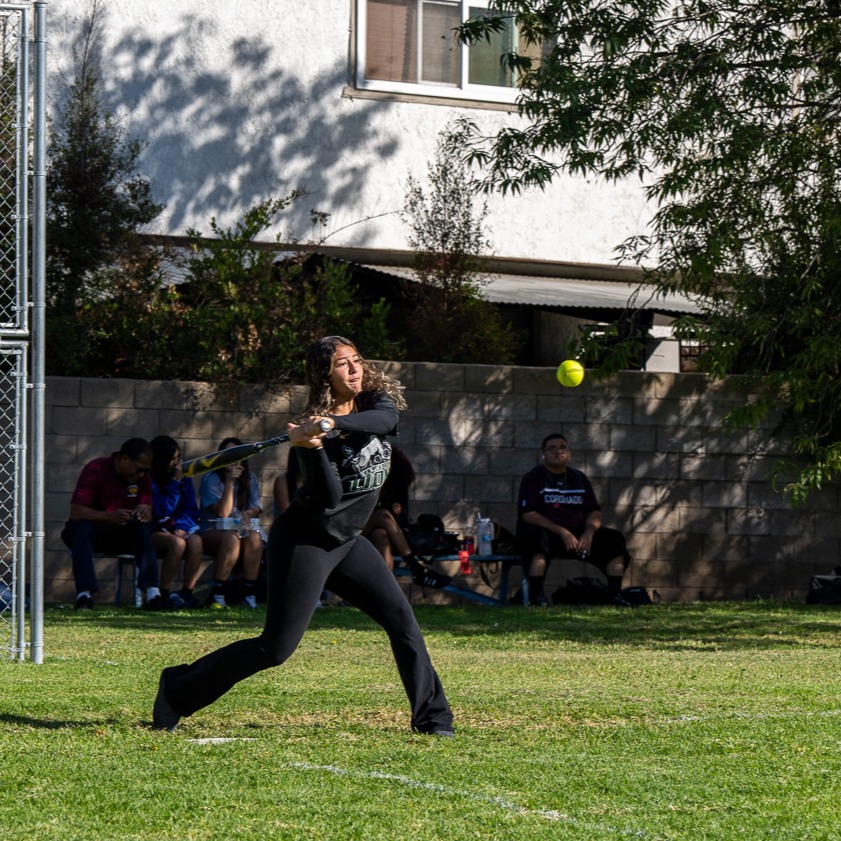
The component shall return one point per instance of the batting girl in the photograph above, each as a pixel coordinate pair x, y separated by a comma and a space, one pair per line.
316, 544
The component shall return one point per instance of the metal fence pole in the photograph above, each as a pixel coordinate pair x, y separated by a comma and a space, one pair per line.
39, 332
15, 324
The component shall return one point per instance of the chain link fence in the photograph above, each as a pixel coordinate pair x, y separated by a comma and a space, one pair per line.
13, 158
12, 473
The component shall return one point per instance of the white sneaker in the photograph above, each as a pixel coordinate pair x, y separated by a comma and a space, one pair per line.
218, 602
250, 601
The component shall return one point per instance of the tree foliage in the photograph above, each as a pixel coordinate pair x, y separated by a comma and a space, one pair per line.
97, 202
228, 311
453, 322
248, 316
728, 113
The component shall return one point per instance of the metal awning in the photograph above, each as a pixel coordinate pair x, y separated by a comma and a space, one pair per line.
572, 295
589, 290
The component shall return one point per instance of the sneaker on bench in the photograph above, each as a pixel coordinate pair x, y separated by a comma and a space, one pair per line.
430, 578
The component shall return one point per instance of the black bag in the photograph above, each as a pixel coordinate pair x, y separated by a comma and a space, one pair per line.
504, 541
824, 589
632, 597
583, 590
428, 537
586, 590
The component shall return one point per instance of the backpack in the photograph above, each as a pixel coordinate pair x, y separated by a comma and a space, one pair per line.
583, 590
633, 597
824, 589
587, 590
428, 537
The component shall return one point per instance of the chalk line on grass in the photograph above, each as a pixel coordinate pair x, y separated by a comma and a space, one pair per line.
741, 715
437, 788
500, 802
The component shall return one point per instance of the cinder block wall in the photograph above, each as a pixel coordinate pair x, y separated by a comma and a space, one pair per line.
694, 500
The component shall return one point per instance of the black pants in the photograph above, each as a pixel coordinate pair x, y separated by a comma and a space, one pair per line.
84, 537
300, 566
607, 544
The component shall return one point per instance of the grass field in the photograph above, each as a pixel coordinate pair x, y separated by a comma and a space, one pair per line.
705, 721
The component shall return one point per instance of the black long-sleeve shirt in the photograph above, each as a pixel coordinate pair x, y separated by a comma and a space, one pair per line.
342, 479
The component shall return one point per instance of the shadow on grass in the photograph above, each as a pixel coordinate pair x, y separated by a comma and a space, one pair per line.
52, 724
713, 625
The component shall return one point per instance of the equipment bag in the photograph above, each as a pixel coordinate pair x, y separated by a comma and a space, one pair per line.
824, 589
428, 537
632, 597
583, 590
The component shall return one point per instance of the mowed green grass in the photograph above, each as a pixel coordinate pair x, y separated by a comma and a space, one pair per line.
703, 721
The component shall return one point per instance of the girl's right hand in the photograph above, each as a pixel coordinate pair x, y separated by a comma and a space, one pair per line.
306, 434
235, 471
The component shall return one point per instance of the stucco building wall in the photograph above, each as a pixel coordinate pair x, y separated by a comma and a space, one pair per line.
239, 102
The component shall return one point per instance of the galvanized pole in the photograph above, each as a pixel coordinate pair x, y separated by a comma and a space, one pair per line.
22, 136
39, 319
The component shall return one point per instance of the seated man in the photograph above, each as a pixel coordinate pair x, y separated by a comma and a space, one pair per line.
559, 516
110, 511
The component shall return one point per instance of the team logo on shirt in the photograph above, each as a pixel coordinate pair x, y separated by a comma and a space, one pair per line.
371, 465
557, 497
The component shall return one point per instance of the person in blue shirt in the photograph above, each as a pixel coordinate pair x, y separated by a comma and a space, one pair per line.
175, 522
232, 494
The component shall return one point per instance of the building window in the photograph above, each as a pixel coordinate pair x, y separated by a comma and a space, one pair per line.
410, 46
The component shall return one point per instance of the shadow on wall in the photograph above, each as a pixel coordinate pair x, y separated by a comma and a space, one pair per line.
217, 142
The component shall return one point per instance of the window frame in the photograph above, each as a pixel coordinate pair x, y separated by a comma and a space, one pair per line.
462, 91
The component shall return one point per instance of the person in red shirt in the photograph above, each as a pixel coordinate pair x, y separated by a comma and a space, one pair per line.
111, 511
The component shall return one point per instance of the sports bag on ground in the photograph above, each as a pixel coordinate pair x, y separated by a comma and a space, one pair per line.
824, 589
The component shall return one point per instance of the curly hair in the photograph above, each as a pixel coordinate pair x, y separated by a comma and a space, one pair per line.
320, 366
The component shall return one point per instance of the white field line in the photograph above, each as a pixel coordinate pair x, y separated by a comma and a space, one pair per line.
500, 802
746, 716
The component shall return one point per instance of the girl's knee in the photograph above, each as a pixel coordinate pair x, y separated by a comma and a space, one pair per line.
275, 652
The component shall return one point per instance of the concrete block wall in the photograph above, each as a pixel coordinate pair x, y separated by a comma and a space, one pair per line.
694, 499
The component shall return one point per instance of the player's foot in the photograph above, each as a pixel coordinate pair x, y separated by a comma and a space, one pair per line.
83, 603
217, 602
431, 579
444, 732
176, 602
163, 715
155, 603
250, 601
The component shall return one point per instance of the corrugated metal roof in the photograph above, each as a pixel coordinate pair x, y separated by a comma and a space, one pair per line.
568, 293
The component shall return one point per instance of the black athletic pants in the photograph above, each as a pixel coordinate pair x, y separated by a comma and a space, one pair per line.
299, 568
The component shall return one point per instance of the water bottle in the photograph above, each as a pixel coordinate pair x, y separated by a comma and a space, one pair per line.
484, 536
240, 525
